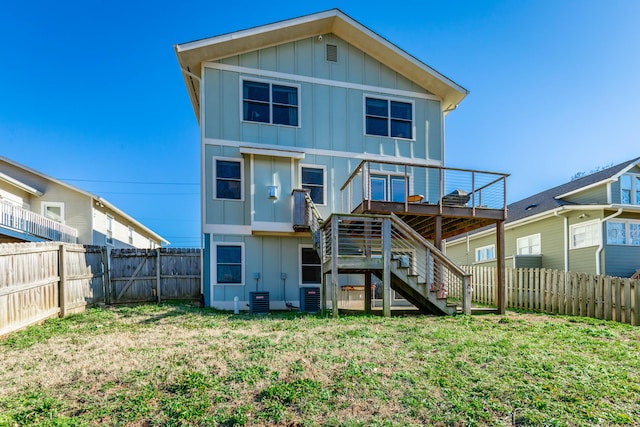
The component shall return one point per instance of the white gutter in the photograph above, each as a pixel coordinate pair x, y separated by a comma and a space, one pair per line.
565, 245
601, 247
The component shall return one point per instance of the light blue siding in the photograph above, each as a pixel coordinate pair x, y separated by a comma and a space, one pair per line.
621, 260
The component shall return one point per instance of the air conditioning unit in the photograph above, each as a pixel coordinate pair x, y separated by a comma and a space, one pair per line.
309, 299
258, 302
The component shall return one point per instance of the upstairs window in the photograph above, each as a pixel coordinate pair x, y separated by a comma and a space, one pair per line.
529, 245
269, 103
313, 181
385, 117
228, 179
486, 253
630, 189
585, 234
109, 236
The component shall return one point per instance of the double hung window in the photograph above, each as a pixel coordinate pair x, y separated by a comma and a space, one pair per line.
109, 236
385, 117
228, 264
228, 179
269, 103
313, 181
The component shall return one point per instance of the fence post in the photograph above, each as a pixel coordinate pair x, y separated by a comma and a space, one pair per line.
62, 288
158, 266
466, 294
106, 281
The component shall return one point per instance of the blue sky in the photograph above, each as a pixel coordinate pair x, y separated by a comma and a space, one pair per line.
91, 92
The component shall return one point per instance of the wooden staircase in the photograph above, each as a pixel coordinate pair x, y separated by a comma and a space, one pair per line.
385, 246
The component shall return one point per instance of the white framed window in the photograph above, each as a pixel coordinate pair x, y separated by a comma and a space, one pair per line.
314, 179
630, 189
227, 178
270, 102
529, 245
585, 234
388, 117
131, 231
623, 232
109, 234
486, 253
54, 211
228, 259
310, 265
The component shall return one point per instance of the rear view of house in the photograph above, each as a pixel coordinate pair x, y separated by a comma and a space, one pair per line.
312, 117
37, 208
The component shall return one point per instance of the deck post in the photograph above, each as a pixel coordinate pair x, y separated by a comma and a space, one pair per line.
502, 302
323, 294
367, 293
386, 272
334, 265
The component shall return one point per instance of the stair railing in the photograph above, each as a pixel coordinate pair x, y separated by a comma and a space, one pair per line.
315, 221
429, 264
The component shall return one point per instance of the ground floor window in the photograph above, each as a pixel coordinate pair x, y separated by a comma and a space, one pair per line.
529, 245
623, 232
585, 234
310, 266
228, 264
486, 253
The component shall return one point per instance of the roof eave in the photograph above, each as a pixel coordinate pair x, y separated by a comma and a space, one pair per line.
192, 54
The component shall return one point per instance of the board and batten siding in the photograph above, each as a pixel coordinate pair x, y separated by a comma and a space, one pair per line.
331, 116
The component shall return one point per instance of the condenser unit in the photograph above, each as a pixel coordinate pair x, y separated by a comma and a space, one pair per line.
258, 302
309, 299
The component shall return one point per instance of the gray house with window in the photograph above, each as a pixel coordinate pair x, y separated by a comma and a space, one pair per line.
588, 225
301, 108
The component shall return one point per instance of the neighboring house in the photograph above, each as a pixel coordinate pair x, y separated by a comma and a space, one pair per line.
36, 208
318, 104
588, 225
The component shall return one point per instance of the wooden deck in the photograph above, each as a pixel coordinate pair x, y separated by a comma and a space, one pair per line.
423, 217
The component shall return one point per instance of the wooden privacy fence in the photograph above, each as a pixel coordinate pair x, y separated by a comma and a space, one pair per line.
141, 275
559, 292
42, 280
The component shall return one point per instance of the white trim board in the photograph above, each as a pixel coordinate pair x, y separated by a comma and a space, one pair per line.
321, 152
319, 81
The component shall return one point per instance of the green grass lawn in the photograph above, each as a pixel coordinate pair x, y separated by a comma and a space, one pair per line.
176, 364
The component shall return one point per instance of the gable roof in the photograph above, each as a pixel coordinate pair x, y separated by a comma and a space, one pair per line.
553, 198
192, 54
38, 192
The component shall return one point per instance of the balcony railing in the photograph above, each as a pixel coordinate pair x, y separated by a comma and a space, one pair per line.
435, 185
32, 224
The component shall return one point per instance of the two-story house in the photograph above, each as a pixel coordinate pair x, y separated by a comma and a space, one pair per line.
311, 117
588, 225
36, 208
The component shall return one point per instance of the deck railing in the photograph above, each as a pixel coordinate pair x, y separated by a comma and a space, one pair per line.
367, 236
435, 185
30, 223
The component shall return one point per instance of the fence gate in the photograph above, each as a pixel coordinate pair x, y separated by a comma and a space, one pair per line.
142, 275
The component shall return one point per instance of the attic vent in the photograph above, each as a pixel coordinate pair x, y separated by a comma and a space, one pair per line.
332, 52
528, 208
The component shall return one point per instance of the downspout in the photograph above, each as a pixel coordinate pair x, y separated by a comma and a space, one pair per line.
601, 246
565, 245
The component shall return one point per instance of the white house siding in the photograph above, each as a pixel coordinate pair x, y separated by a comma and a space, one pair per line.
77, 208
14, 195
